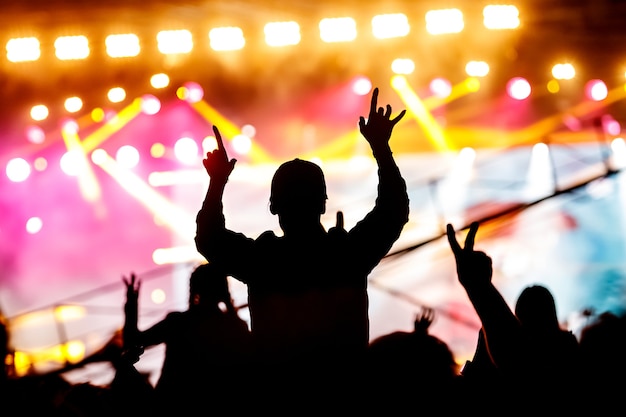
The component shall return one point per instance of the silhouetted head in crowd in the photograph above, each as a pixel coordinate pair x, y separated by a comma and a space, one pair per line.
417, 354
208, 285
536, 308
298, 193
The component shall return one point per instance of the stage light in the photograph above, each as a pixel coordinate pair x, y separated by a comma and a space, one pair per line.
71, 162
127, 156
282, 33
361, 86
186, 150
73, 104
553, 86
191, 92
477, 68
17, 169
563, 71
418, 110
518, 88
159, 81
35, 134
402, 66
596, 90
40, 164
98, 114
440, 87
150, 105
39, 112
71, 47
610, 125
116, 95
618, 148
23, 49
394, 25
174, 41
33, 225
158, 296
248, 130
539, 179
174, 217
122, 45
226, 39
242, 144
157, 150
501, 16
98, 156
69, 126
337, 29
444, 21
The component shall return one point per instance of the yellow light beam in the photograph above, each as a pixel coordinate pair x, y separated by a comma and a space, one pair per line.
87, 182
416, 107
120, 120
177, 219
229, 130
549, 124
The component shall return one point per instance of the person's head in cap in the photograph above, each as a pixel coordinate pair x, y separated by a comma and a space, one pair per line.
298, 193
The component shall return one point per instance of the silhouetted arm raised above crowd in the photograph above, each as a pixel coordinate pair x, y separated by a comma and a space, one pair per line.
475, 271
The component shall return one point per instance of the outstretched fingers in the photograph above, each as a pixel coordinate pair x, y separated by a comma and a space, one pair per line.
398, 117
454, 244
471, 237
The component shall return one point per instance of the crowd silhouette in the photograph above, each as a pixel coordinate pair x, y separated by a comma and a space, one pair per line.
308, 347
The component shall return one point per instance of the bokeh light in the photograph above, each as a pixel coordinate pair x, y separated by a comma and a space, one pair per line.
34, 225
35, 134
18, 169
186, 150
150, 104
518, 88
596, 90
127, 156
242, 144
361, 86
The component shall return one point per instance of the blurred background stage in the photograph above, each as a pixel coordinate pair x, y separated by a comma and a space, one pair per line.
104, 122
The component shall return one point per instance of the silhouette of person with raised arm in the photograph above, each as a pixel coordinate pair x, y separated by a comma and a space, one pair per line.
533, 354
307, 289
207, 346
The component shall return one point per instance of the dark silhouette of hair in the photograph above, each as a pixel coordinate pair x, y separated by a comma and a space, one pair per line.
299, 185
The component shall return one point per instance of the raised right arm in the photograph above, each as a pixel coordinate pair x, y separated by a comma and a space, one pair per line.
210, 220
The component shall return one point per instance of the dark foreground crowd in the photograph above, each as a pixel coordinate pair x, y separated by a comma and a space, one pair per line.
308, 349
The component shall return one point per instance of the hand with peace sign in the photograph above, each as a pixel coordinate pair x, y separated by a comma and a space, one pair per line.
474, 268
216, 163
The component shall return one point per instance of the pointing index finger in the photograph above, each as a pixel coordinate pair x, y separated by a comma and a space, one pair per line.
218, 139
374, 102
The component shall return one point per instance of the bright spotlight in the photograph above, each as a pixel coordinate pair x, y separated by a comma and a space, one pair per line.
18, 170
440, 87
127, 156
242, 144
596, 90
186, 150
191, 92
150, 104
71, 162
362, 86
518, 88
33, 225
